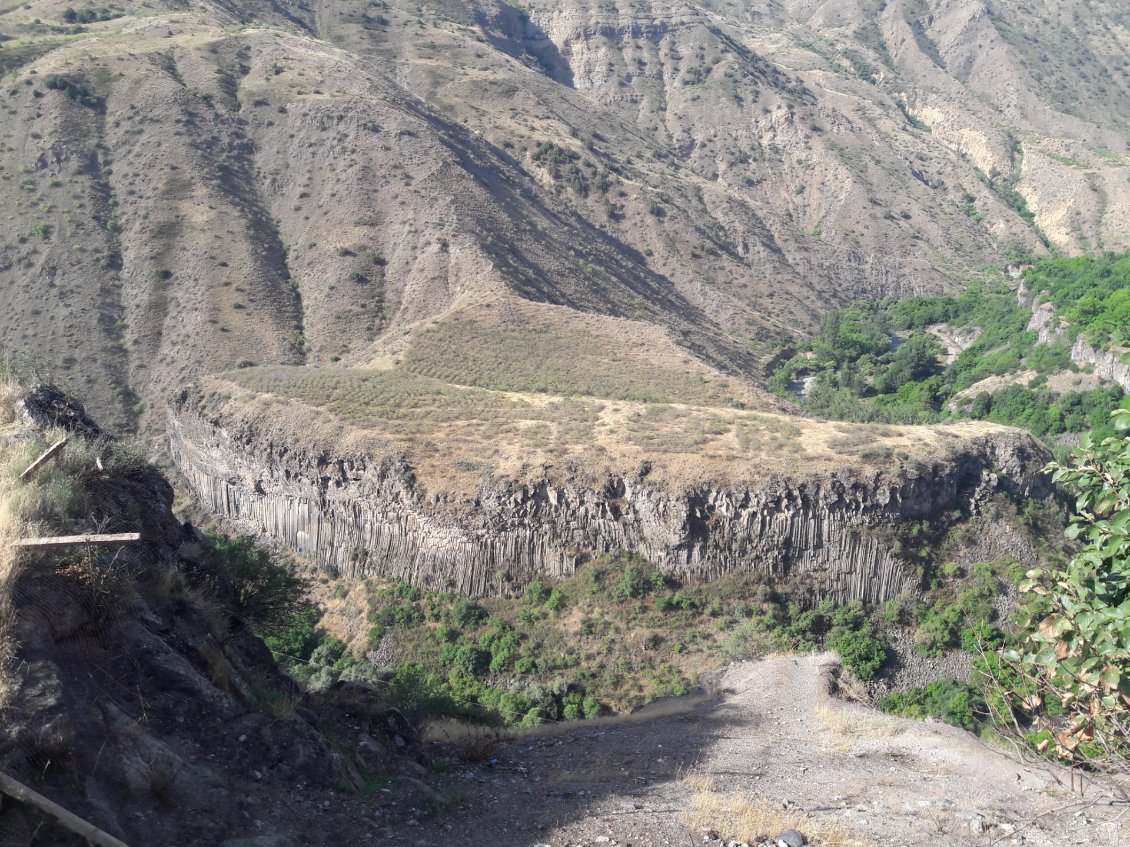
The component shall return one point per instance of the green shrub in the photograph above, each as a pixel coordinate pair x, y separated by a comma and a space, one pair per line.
296, 636
422, 696
862, 651
466, 658
555, 602
400, 615
678, 600
954, 702
405, 591
74, 89
634, 582
938, 631
535, 593
328, 652
268, 594
1076, 654
467, 614
981, 635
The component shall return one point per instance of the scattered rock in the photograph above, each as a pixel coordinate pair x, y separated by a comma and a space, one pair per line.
791, 838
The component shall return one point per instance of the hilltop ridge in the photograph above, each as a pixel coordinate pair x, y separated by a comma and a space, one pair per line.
196, 188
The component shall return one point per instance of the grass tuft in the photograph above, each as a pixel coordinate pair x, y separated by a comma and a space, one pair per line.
753, 820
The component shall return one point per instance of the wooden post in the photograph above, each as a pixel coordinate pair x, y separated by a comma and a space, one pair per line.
77, 540
45, 457
71, 821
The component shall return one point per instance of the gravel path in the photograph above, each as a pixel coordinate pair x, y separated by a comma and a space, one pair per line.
773, 738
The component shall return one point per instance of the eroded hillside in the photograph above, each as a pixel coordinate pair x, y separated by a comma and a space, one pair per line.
190, 188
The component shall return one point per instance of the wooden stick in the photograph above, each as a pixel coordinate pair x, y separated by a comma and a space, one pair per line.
76, 540
71, 821
44, 458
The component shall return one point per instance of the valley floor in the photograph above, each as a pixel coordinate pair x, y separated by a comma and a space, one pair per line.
773, 748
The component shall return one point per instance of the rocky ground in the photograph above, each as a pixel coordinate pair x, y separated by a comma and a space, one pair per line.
772, 748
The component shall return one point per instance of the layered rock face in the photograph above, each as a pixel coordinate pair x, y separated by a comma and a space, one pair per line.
362, 517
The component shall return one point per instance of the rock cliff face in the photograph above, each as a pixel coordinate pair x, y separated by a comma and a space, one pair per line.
363, 517
1107, 364
1048, 327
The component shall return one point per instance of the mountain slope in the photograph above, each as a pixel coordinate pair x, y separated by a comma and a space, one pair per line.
195, 188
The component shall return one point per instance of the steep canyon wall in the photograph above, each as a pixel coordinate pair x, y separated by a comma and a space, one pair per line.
362, 517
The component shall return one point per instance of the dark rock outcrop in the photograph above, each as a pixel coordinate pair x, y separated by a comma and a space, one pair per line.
134, 695
45, 406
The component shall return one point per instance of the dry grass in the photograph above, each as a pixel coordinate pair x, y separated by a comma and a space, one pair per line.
547, 360
455, 436
279, 704
345, 610
854, 724
738, 817
212, 612
11, 521
220, 671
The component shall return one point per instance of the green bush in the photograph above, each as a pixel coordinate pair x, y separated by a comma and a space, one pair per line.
954, 702
634, 582
74, 89
862, 651
535, 593
296, 636
467, 614
423, 696
268, 594
1077, 651
676, 601
981, 635
327, 653
406, 592
401, 615
939, 630
465, 658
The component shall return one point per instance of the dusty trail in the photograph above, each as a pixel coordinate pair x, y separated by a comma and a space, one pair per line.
774, 734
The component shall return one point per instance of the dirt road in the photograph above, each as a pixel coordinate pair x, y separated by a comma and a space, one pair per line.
773, 747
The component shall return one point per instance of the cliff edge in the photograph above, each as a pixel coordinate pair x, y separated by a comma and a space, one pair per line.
796, 498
